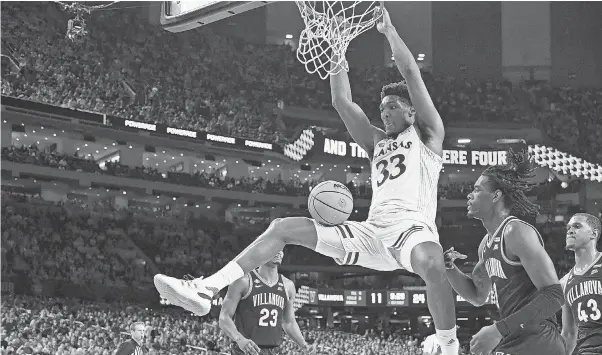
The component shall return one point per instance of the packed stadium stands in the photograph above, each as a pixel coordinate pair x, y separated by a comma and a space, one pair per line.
232, 97
68, 326
130, 69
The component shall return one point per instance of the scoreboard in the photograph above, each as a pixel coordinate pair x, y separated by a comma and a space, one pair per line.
366, 298
372, 298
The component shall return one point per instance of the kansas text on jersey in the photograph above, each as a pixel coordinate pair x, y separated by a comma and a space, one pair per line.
405, 174
583, 293
512, 286
259, 313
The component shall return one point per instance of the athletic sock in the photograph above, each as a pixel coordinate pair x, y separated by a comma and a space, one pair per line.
448, 341
224, 277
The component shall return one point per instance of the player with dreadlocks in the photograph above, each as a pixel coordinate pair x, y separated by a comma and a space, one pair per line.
513, 264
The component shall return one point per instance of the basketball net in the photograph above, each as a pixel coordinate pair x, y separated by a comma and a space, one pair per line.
329, 28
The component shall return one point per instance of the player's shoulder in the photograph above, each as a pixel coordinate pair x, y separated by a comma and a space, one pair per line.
565, 280
378, 134
287, 282
242, 284
289, 285
517, 228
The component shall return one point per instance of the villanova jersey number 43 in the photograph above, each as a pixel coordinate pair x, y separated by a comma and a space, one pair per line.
583, 293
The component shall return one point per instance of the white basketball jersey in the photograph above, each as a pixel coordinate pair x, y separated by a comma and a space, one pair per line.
405, 174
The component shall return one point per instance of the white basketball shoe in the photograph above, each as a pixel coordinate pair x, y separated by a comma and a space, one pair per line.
192, 295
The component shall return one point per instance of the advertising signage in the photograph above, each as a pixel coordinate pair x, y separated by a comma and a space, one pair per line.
450, 156
153, 128
190, 134
314, 143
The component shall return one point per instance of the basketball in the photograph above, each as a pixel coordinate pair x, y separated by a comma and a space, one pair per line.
330, 203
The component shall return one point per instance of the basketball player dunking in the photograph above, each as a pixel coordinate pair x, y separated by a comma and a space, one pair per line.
400, 231
261, 304
582, 310
513, 260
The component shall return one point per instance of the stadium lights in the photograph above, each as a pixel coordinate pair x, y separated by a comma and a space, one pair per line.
463, 140
421, 55
289, 36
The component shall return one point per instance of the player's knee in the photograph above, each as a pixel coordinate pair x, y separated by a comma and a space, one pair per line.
427, 261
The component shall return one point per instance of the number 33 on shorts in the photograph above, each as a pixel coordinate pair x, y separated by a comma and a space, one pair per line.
390, 169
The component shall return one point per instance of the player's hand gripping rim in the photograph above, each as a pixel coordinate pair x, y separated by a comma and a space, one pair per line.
450, 256
384, 22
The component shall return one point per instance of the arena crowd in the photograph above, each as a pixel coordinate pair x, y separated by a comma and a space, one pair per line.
130, 69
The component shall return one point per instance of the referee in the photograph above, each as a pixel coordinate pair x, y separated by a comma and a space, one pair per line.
135, 345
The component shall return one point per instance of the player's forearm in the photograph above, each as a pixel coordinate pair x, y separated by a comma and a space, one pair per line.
227, 325
465, 286
401, 53
292, 330
340, 89
545, 305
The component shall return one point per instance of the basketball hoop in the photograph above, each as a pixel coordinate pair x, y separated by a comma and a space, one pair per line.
329, 28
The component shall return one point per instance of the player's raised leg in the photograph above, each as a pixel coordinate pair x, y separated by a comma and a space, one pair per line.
196, 295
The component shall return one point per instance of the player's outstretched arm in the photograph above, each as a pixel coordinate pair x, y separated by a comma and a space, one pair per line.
522, 242
474, 288
569, 328
289, 323
357, 123
427, 116
235, 293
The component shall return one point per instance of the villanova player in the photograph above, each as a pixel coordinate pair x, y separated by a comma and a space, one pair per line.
513, 264
400, 231
582, 310
261, 304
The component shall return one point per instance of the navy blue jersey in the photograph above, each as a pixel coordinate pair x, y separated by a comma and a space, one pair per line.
259, 313
512, 286
583, 293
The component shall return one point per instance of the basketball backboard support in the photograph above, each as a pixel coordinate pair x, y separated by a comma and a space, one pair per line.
180, 16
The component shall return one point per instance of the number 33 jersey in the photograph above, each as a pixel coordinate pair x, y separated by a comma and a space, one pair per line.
259, 313
405, 173
583, 293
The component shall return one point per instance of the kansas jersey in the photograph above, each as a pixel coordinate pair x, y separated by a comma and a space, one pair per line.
512, 286
405, 174
583, 293
259, 313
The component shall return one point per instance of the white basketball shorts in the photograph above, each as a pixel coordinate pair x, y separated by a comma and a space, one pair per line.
373, 247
